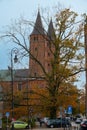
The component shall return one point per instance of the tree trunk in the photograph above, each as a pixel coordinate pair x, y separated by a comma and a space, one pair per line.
53, 112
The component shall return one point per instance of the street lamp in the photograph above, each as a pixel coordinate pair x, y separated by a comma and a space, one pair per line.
85, 38
15, 52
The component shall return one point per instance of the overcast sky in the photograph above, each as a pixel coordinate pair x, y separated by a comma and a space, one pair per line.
13, 9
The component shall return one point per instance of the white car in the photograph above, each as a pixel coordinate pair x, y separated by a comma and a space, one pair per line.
46, 119
78, 121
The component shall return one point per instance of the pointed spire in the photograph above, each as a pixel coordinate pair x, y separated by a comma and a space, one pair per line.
51, 32
38, 27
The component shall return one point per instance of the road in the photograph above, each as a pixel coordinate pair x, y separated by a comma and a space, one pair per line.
48, 129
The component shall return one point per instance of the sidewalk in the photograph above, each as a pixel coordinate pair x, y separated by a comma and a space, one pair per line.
41, 128
47, 129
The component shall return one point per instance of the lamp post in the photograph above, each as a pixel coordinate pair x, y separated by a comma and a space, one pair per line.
15, 52
28, 105
85, 40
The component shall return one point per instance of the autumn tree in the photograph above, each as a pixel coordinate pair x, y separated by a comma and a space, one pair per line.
67, 51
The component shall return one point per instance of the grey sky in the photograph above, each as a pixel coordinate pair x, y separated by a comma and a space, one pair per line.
12, 9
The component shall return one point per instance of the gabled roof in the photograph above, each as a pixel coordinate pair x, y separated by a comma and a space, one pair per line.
38, 27
21, 74
51, 32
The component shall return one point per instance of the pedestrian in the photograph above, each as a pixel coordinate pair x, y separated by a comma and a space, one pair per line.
40, 123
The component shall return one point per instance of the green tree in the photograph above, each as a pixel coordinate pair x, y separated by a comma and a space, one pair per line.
67, 54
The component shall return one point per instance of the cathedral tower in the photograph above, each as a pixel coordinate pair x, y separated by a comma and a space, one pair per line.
39, 48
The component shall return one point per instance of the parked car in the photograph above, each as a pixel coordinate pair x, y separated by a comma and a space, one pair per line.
46, 119
19, 124
59, 122
78, 121
43, 120
83, 125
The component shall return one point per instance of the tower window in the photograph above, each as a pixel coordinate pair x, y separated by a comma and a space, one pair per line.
35, 48
48, 54
35, 74
35, 38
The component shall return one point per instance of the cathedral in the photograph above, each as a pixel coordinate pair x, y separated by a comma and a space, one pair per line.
40, 55
39, 50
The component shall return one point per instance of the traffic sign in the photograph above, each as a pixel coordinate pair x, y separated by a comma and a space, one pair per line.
7, 114
69, 111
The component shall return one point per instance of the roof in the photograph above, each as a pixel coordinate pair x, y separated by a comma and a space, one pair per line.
18, 75
51, 32
38, 27
21, 74
5, 75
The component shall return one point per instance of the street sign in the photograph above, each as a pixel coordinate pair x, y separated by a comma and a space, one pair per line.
7, 114
69, 111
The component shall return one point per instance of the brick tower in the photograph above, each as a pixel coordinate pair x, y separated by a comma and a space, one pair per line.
39, 48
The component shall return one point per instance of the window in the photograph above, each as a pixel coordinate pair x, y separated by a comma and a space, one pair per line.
19, 86
35, 74
35, 38
48, 54
35, 48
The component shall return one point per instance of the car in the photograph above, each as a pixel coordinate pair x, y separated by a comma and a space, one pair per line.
19, 124
45, 119
68, 118
83, 125
63, 122
51, 123
78, 121
58, 122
